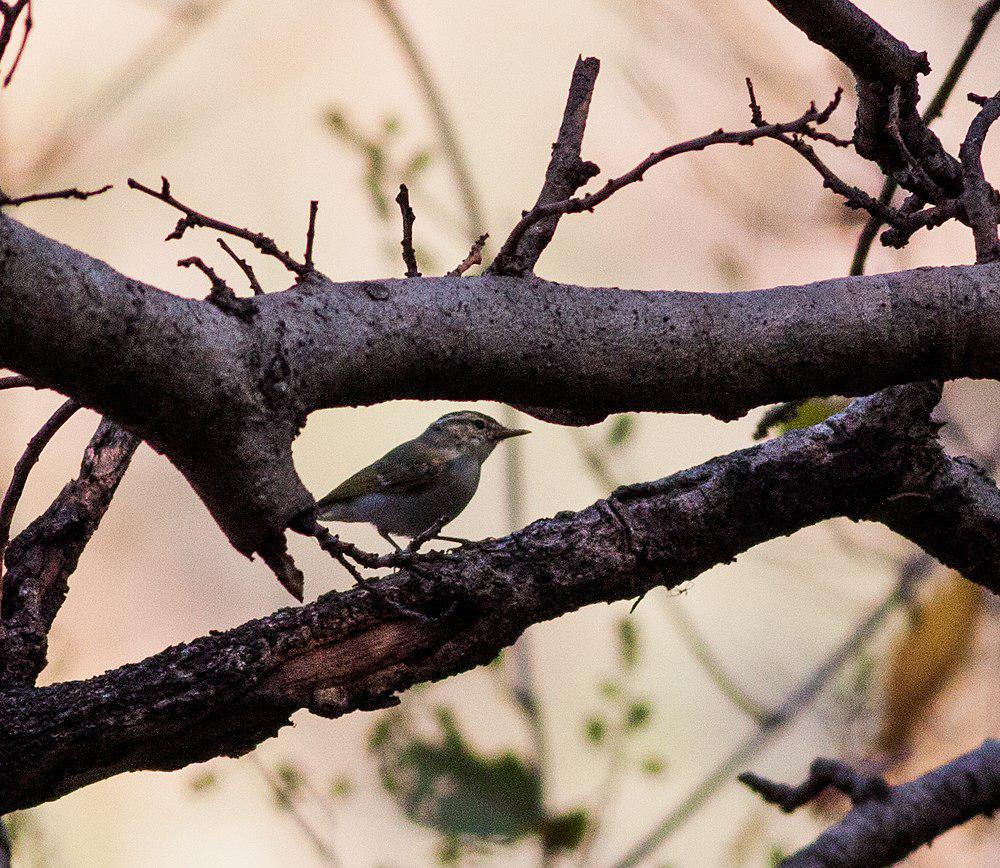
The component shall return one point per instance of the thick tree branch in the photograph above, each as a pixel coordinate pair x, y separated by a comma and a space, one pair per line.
227, 416
222, 694
885, 825
883, 66
43, 556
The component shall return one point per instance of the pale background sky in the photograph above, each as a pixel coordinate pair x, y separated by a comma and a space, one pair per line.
234, 119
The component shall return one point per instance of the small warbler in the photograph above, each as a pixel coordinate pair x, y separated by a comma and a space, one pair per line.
422, 484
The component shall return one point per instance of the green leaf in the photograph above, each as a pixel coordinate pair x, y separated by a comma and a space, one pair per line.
596, 729
775, 857
610, 689
628, 643
204, 782
621, 430
565, 831
793, 415
653, 765
289, 776
446, 784
638, 715
341, 787
417, 164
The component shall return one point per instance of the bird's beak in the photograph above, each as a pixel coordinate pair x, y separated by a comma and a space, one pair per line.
505, 433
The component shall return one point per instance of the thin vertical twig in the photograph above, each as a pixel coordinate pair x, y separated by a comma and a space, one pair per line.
311, 235
409, 255
23, 467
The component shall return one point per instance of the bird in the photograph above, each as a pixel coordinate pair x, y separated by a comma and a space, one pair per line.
423, 484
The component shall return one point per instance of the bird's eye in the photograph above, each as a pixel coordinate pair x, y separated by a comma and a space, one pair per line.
480, 424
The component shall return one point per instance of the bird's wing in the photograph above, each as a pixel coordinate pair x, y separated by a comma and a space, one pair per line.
409, 467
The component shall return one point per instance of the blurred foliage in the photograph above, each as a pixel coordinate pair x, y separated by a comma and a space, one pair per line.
628, 643
621, 430
470, 798
794, 415
203, 782
926, 655
384, 169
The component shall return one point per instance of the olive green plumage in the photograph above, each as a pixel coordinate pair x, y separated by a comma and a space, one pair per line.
422, 482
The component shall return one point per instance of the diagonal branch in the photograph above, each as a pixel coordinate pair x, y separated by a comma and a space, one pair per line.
224, 693
19, 477
43, 556
885, 825
193, 218
566, 173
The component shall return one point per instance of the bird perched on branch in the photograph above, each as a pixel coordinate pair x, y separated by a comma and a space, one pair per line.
422, 484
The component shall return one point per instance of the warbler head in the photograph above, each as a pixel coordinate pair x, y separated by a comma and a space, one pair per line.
468, 431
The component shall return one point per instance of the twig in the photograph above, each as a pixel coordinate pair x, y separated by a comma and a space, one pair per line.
981, 20
791, 707
11, 11
589, 201
23, 467
566, 173
980, 201
245, 267
311, 235
439, 113
857, 786
280, 791
221, 294
409, 256
475, 257
71, 193
193, 218
891, 823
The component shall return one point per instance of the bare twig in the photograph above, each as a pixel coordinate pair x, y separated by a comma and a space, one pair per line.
475, 256
193, 218
587, 202
409, 256
245, 267
11, 12
221, 294
981, 21
311, 235
886, 824
566, 173
857, 786
71, 193
980, 200
23, 467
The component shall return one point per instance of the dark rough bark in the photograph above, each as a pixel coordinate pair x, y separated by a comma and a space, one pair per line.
222, 694
881, 831
40, 559
223, 397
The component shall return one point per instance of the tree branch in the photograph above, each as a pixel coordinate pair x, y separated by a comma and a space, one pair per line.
228, 415
980, 201
886, 824
29, 459
566, 173
43, 556
224, 693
